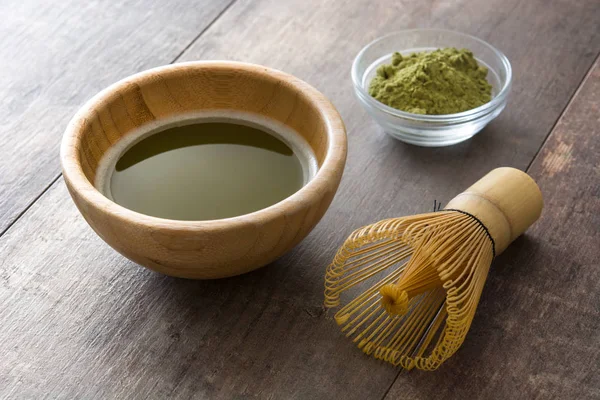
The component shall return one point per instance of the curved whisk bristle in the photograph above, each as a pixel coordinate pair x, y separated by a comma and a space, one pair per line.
424, 275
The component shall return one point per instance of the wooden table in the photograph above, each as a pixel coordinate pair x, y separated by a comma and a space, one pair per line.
77, 320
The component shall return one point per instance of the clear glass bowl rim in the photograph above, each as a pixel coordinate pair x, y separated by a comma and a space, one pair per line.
483, 109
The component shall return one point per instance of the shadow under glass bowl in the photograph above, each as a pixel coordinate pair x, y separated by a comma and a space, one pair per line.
431, 130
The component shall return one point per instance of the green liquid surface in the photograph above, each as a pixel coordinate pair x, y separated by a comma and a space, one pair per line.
206, 171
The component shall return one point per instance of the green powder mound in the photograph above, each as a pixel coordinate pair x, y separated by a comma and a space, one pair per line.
444, 81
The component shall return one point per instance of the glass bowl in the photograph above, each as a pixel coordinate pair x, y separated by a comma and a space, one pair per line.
431, 130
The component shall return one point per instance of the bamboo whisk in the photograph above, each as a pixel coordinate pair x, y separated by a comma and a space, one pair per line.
427, 271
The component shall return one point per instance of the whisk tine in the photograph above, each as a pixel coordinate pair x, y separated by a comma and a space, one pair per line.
409, 257
424, 274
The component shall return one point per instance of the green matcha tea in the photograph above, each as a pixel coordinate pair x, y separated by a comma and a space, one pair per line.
443, 81
206, 171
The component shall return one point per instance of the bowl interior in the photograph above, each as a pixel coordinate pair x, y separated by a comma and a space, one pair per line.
165, 93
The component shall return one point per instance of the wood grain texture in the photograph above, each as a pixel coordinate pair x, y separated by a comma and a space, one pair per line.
536, 334
185, 91
57, 54
506, 200
99, 326
84, 322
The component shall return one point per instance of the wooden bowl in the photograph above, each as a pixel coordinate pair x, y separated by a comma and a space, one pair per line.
203, 249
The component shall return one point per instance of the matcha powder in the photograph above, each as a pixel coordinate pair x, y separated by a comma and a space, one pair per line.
444, 81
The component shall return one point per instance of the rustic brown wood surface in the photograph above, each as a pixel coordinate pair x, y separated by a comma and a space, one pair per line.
57, 54
80, 321
536, 334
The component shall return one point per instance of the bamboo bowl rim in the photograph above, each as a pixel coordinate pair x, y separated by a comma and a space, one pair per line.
334, 160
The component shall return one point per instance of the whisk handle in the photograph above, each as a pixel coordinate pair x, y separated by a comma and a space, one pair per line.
506, 200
